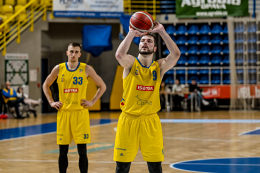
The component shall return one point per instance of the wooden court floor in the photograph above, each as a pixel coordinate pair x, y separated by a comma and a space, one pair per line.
183, 140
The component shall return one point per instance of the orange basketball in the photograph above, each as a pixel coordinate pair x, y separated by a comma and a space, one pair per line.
141, 21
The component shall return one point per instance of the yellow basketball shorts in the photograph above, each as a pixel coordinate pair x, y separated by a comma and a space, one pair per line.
73, 124
143, 131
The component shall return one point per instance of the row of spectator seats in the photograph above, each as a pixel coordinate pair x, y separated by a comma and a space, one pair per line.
205, 49
240, 27
204, 60
251, 38
239, 48
204, 39
194, 29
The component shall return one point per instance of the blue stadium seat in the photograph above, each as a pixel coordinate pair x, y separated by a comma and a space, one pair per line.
193, 40
205, 49
194, 49
205, 29
192, 71
225, 30
182, 79
172, 37
183, 49
182, 61
239, 28
216, 60
226, 60
239, 38
182, 39
217, 49
239, 60
204, 72
240, 75
204, 60
170, 29
226, 49
216, 29
252, 48
193, 60
180, 71
252, 76
193, 77
226, 71
194, 29
204, 79
169, 80
215, 71
166, 52
251, 28
205, 39
182, 29
215, 79
225, 40
252, 59
239, 48
171, 71
252, 40
226, 79
216, 39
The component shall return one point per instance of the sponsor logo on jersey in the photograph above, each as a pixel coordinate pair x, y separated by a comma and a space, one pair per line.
144, 88
137, 71
122, 102
71, 90
143, 102
80, 70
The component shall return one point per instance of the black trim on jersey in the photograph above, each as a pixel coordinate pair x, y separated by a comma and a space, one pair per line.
72, 70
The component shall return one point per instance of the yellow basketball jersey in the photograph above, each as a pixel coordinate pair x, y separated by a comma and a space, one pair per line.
72, 86
141, 89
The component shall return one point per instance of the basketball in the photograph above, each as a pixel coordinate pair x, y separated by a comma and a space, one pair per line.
141, 21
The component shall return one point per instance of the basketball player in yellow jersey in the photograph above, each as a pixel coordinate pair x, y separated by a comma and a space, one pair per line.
139, 124
73, 115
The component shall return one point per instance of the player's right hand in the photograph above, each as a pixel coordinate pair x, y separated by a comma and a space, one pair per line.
57, 105
136, 32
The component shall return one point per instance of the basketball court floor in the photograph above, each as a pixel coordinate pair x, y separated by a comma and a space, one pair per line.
213, 141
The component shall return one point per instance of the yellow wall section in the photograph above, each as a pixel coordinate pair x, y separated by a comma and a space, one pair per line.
117, 90
91, 92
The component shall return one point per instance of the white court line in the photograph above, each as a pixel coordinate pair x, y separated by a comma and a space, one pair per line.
50, 133
219, 140
216, 164
249, 131
73, 161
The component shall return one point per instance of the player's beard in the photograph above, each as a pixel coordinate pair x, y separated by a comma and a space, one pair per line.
148, 52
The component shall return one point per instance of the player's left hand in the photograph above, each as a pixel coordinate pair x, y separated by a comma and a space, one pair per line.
157, 28
86, 103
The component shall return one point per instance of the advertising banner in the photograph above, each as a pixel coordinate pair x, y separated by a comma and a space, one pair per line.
211, 8
87, 8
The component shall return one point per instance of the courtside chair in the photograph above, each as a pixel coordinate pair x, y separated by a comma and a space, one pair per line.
205, 29
194, 49
194, 39
216, 39
217, 49
216, 29
205, 39
194, 29
182, 39
182, 61
182, 29
204, 60
170, 30
193, 60
205, 49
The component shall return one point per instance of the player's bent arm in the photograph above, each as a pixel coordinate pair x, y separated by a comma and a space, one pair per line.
90, 72
171, 60
48, 82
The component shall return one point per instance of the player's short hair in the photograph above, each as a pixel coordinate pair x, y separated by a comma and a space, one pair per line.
75, 45
154, 37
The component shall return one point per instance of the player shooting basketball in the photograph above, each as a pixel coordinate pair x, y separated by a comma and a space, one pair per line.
139, 124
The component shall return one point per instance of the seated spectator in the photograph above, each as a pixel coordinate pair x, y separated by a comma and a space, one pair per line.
2, 104
179, 96
10, 98
163, 90
32, 103
193, 87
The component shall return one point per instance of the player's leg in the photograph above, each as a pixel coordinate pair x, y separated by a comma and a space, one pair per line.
123, 167
154, 167
63, 158
83, 159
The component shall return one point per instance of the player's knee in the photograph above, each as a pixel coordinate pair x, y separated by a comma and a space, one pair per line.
82, 150
155, 167
64, 150
123, 167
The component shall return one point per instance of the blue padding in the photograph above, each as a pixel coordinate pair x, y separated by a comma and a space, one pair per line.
124, 20
97, 38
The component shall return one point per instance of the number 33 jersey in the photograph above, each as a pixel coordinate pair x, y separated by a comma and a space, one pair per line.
72, 86
141, 89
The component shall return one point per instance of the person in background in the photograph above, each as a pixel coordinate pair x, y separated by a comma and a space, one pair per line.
193, 87
179, 96
2, 104
163, 89
32, 103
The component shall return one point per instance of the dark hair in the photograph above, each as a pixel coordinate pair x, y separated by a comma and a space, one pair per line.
18, 90
154, 37
75, 45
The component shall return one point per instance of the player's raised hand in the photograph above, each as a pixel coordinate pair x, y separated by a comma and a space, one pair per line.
86, 103
157, 28
137, 33
57, 105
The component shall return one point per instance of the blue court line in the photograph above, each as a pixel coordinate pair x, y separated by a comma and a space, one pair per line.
220, 165
40, 129
209, 121
252, 132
